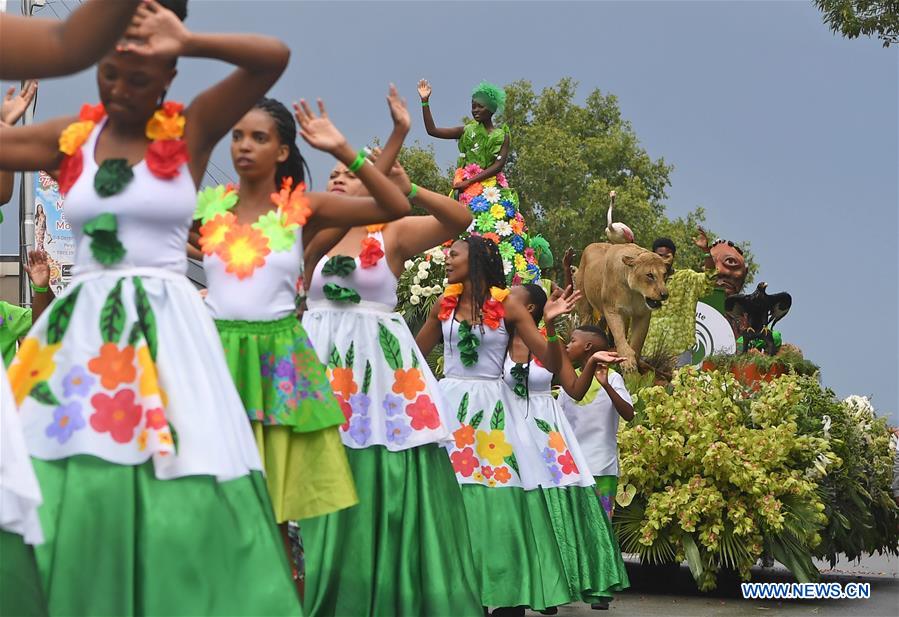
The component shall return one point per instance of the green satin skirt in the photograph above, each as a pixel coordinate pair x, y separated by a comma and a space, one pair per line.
516, 553
120, 542
20, 586
404, 550
590, 553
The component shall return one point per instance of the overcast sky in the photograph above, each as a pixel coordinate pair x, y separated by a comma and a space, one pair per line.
785, 133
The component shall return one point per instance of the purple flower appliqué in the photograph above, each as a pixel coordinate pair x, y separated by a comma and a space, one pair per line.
77, 383
286, 370
267, 360
549, 455
393, 404
360, 403
556, 473
360, 429
66, 420
397, 431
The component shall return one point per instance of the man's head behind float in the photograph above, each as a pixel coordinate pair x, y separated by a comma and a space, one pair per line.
731, 266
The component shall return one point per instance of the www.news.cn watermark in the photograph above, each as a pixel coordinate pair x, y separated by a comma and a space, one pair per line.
806, 591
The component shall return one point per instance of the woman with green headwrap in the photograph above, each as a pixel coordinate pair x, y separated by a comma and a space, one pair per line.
479, 181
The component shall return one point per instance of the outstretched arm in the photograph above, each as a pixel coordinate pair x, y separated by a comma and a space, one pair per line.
386, 203
424, 91
622, 406
576, 386
260, 60
33, 48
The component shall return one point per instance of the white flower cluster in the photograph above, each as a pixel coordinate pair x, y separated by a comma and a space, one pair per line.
428, 279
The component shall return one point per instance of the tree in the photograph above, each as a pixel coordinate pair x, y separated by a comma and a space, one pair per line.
852, 18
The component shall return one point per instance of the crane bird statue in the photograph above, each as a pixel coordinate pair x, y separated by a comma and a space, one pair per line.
617, 233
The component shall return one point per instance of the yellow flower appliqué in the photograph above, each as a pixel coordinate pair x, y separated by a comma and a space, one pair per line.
493, 446
33, 364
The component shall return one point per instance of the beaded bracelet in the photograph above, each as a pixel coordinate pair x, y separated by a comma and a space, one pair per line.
413, 192
357, 164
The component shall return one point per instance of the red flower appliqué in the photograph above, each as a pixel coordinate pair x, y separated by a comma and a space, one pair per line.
423, 413
117, 415
156, 418
464, 462
371, 253
347, 413
69, 171
493, 313
164, 158
447, 306
567, 463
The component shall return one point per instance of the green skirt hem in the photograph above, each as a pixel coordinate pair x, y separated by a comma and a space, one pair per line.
119, 541
404, 550
21, 594
515, 549
590, 553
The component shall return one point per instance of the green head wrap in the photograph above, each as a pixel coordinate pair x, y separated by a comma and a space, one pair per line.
542, 251
492, 97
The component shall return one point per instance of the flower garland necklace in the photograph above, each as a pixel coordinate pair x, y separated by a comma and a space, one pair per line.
244, 247
343, 265
492, 313
165, 154
164, 157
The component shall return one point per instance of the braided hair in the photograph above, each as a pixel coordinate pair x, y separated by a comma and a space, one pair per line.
485, 270
537, 297
294, 165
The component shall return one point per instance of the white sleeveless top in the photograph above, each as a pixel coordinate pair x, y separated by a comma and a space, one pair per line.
266, 295
153, 217
376, 284
491, 351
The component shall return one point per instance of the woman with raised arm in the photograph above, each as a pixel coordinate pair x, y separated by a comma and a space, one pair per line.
31, 48
518, 560
592, 560
479, 180
137, 434
252, 239
404, 550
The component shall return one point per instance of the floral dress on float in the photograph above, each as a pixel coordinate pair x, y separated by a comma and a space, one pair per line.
493, 204
20, 527
251, 273
137, 434
589, 548
499, 466
405, 549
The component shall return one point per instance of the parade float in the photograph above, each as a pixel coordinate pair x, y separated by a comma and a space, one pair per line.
741, 459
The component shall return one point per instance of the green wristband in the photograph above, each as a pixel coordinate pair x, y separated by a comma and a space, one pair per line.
425, 104
357, 164
38, 290
552, 338
413, 192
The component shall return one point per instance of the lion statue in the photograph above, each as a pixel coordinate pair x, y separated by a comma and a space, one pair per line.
622, 284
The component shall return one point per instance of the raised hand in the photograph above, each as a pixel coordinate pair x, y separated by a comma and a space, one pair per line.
155, 31
424, 89
318, 131
14, 105
561, 304
602, 374
606, 357
398, 109
38, 268
702, 239
397, 173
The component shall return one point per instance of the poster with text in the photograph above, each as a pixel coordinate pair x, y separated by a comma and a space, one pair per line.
52, 233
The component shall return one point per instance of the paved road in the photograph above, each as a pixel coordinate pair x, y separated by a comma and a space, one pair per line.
671, 592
